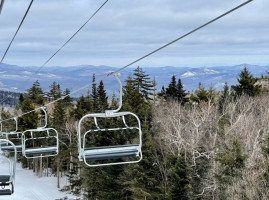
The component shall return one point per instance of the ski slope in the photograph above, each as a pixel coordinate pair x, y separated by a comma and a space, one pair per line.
30, 187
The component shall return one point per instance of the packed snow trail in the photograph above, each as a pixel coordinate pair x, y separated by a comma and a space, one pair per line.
30, 187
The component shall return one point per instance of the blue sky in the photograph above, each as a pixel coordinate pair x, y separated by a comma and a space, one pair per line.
125, 30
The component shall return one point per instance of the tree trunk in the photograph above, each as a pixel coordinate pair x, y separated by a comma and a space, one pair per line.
58, 174
40, 167
47, 166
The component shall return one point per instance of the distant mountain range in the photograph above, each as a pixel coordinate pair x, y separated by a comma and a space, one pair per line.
18, 79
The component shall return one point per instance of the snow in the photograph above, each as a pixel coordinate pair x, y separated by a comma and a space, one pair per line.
188, 74
210, 71
30, 187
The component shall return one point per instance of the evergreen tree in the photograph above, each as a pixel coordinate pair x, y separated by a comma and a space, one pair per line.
30, 120
67, 100
133, 100
201, 93
211, 94
247, 84
163, 92
35, 93
84, 105
114, 102
224, 98
102, 98
232, 162
55, 91
142, 83
154, 83
172, 90
181, 94
94, 95
180, 180
141, 180
21, 98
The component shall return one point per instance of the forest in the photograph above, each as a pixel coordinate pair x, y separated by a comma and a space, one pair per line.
205, 144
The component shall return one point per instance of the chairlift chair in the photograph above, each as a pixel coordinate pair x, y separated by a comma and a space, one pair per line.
14, 137
7, 180
31, 139
107, 153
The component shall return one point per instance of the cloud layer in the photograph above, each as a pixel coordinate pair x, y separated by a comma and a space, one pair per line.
125, 30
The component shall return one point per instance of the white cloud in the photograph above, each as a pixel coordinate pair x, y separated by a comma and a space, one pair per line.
124, 30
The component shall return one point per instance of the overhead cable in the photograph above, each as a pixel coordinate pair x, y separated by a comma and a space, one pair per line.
72, 36
17, 31
65, 43
143, 57
1, 5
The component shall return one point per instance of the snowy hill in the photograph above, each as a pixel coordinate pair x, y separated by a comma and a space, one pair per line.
30, 187
15, 78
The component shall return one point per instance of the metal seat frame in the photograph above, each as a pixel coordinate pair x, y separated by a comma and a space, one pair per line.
40, 152
12, 169
18, 134
109, 152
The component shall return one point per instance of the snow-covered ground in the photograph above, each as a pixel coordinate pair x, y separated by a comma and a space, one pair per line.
30, 187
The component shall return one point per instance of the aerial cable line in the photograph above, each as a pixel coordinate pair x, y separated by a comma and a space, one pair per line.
72, 36
65, 43
1, 5
183, 36
17, 30
110, 74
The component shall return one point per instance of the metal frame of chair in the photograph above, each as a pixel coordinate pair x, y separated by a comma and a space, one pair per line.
37, 152
8, 180
89, 154
10, 136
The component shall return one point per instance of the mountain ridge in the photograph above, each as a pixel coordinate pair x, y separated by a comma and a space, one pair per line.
19, 78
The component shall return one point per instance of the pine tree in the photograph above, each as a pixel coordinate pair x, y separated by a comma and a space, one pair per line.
55, 91
67, 100
114, 102
102, 98
133, 100
224, 98
140, 180
154, 83
201, 93
94, 95
247, 84
172, 90
21, 98
180, 180
142, 83
181, 94
35, 93
30, 120
163, 92
232, 163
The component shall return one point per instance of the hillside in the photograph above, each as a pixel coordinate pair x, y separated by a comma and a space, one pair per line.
11, 98
16, 78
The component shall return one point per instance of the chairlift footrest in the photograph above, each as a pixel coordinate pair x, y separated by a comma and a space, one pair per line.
40, 150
